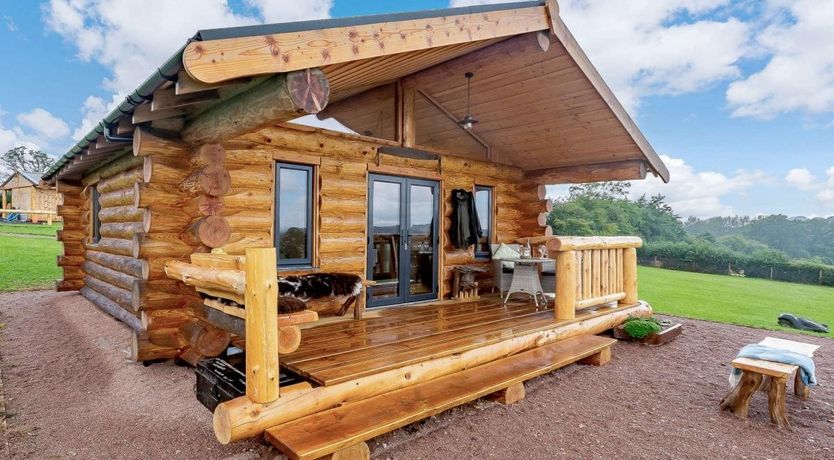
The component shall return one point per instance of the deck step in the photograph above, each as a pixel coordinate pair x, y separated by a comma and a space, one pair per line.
329, 431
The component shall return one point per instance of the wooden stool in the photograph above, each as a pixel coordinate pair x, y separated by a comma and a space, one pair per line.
464, 285
753, 372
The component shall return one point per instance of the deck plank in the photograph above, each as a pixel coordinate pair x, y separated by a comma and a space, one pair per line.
359, 339
320, 434
330, 366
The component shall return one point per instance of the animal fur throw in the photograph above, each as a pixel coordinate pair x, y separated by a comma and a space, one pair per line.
319, 285
286, 304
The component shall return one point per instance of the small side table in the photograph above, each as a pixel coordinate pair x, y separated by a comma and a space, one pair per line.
526, 278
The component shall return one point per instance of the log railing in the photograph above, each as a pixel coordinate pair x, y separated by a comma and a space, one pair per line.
592, 271
251, 281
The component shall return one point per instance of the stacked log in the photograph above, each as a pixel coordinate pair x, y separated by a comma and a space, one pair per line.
72, 236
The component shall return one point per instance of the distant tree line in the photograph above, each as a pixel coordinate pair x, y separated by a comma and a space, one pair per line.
775, 247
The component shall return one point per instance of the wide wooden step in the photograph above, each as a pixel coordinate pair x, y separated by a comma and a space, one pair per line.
329, 431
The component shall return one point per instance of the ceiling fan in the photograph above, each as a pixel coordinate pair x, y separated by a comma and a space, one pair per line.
467, 121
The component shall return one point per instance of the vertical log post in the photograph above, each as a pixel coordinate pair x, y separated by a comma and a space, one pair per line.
565, 285
261, 298
629, 276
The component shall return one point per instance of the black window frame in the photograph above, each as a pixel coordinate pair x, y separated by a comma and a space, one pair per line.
95, 221
306, 261
487, 232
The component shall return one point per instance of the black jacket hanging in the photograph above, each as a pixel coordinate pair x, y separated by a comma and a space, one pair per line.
466, 227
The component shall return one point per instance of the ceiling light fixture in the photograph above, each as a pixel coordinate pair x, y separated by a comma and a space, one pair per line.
468, 120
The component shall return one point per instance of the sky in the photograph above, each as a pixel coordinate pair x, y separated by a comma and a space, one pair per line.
737, 96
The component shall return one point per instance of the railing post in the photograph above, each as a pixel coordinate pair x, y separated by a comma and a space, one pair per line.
565, 285
629, 276
261, 297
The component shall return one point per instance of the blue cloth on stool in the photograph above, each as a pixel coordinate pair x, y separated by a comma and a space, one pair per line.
806, 371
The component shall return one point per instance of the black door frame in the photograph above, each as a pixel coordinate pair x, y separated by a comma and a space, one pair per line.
403, 252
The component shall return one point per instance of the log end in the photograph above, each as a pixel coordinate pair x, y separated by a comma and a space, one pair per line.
222, 422
309, 90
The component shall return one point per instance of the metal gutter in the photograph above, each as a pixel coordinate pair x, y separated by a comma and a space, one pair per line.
168, 71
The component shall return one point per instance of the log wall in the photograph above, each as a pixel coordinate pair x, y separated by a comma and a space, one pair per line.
342, 167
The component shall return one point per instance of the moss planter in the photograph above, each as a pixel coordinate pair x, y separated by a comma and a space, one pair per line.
667, 334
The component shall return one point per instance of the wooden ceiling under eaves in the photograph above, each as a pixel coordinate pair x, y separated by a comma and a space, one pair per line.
536, 109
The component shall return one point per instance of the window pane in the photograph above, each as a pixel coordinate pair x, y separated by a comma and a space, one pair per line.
483, 204
293, 213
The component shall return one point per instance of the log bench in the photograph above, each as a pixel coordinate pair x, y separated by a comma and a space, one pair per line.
341, 432
753, 373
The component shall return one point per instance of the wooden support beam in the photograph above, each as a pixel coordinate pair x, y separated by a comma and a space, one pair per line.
512, 394
629, 276
212, 61
124, 127
166, 99
566, 267
261, 298
279, 98
187, 85
620, 170
143, 113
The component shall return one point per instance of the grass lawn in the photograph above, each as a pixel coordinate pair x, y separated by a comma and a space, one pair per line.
28, 262
735, 300
31, 229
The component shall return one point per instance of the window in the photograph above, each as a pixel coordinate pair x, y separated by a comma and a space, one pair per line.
484, 205
294, 214
95, 224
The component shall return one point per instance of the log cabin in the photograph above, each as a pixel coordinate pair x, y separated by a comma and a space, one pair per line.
23, 193
335, 146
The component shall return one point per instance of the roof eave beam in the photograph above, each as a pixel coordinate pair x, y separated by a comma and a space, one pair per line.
614, 171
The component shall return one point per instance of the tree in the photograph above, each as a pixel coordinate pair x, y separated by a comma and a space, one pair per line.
22, 158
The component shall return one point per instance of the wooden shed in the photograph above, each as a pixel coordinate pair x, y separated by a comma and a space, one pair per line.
336, 146
24, 193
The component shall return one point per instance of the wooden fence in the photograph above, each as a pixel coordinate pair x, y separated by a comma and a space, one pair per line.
592, 271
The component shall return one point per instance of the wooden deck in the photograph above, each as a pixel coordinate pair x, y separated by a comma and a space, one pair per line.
399, 336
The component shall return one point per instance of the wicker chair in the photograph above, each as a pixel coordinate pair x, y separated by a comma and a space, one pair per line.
502, 273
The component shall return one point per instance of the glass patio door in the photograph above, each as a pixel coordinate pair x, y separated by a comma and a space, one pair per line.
402, 239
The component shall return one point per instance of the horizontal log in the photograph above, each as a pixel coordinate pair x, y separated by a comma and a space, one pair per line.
70, 235
68, 211
136, 268
120, 181
160, 170
250, 221
121, 214
123, 297
114, 277
69, 261
165, 318
210, 278
124, 230
614, 171
118, 246
112, 308
602, 300
155, 245
573, 243
281, 97
148, 296
68, 285
111, 169
119, 197
240, 200
72, 273
239, 242
148, 141
251, 179
73, 248
141, 349
241, 418
68, 188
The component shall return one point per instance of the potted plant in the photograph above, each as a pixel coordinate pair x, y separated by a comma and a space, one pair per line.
647, 330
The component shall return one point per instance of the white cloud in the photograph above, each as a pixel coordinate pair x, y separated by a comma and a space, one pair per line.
93, 110
798, 75
283, 11
698, 193
44, 123
692, 192
801, 178
638, 51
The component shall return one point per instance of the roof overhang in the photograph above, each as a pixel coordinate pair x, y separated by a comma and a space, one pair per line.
360, 53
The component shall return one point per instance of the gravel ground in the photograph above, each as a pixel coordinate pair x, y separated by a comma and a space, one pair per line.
71, 392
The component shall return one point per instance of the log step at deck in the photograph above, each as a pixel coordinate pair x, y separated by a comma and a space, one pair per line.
326, 432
